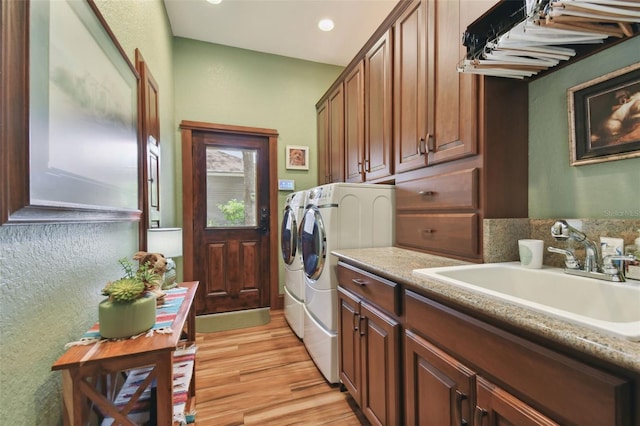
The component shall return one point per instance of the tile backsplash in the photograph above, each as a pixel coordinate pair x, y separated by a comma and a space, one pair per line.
500, 236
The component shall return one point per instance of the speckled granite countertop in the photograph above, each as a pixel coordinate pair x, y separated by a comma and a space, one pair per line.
397, 265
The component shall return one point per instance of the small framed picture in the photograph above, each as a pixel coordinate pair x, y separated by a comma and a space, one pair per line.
604, 117
297, 157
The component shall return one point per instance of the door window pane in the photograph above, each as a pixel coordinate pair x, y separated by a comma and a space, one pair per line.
231, 187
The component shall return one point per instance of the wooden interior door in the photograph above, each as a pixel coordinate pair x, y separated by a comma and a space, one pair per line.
149, 149
230, 217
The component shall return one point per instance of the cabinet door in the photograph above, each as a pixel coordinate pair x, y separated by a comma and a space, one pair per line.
497, 407
380, 366
349, 336
378, 109
336, 135
439, 390
453, 123
410, 88
354, 124
322, 118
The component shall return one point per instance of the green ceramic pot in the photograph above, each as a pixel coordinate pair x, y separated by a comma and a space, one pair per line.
119, 320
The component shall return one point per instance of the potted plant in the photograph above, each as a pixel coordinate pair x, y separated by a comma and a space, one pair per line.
130, 308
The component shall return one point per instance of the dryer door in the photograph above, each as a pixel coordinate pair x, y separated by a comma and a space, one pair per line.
289, 236
313, 242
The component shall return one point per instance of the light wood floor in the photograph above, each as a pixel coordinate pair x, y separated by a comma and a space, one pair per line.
264, 376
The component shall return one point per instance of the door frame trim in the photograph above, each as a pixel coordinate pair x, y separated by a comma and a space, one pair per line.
276, 300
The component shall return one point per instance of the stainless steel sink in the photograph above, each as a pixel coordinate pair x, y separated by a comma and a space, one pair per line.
610, 307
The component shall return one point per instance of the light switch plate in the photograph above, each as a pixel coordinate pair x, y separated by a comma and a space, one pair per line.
286, 185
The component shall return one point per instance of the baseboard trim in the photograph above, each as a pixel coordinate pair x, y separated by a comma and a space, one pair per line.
232, 320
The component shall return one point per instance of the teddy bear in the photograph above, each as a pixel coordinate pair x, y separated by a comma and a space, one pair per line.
156, 263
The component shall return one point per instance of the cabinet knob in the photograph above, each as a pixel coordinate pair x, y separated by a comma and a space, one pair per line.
427, 193
428, 231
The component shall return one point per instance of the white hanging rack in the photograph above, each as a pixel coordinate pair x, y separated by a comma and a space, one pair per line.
534, 35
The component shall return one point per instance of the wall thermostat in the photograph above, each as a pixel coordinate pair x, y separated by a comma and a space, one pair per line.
286, 184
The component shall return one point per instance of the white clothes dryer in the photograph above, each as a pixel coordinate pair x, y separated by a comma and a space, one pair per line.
337, 216
294, 276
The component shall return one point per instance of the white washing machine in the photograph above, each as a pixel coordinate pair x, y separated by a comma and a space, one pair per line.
337, 216
293, 273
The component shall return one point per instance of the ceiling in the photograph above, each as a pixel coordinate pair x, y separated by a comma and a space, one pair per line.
282, 27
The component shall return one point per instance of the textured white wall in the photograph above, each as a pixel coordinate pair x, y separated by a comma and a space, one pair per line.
50, 282
51, 275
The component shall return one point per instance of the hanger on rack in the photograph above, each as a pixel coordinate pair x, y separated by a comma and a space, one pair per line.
524, 38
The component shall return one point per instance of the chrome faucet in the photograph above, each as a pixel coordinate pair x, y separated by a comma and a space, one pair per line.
594, 266
562, 231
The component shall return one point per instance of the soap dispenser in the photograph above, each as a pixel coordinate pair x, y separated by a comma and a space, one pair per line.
632, 269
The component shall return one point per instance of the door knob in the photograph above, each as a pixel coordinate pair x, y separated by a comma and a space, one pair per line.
264, 220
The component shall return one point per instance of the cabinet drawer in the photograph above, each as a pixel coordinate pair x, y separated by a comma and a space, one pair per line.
383, 293
457, 190
564, 389
455, 233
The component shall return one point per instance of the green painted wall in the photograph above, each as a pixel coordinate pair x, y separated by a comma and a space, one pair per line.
51, 275
145, 25
556, 190
226, 85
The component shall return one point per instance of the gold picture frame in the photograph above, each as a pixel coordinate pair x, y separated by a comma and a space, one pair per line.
604, 117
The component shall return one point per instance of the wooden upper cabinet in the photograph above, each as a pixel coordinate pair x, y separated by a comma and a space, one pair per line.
453, 114
368, 115
322, 118
436, 108
336, 135
410, 88
405, 106
330, 128
378, 105
354, 124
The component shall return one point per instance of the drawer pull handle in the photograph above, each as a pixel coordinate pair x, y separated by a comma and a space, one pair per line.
427, 193
359, 282
428, 231
479, 415
458, 411
426, 145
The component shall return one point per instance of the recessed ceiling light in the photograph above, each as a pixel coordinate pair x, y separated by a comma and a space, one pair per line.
214, 1
326, 24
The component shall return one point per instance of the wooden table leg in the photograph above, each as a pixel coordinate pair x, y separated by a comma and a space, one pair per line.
68, 399
164, 390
